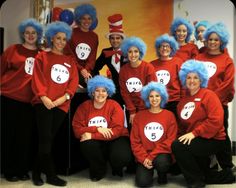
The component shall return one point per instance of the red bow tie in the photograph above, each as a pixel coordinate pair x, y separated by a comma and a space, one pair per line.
109, 53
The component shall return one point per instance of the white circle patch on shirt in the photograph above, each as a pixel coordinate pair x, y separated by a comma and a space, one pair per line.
60, 74
98, 121
134, 84
211, 68
187, 110
163, 77
29, 65
83, 50
153, 131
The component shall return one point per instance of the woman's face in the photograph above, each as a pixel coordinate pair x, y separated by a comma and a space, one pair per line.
213, 42
59, 42
181, 33
154, 99
200, 31
133, 54
165, 49
100, 95
86, 22
30, 35
193, 82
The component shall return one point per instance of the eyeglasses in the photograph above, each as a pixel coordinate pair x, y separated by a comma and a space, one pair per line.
164, 46
30, 33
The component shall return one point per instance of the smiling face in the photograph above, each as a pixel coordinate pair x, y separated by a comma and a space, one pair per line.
100, 95
85, 22
154, 99
193, 82
181, 33
213, 43
133, 54
200, 31
115, 41
30, 36
59, 42
165, 50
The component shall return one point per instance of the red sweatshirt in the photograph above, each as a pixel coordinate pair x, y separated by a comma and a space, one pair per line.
187, 51
83, 45
202, 114
153, 134
167, 74
54, 75
131, 81
88, 119
222, 72
17, 63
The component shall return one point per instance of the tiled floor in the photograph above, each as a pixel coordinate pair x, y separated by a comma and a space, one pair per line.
80, 180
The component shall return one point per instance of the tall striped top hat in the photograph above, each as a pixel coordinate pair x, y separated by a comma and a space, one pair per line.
115, 25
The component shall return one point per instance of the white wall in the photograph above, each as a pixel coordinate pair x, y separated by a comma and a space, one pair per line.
213, 11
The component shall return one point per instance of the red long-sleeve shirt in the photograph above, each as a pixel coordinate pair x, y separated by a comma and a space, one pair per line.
88, 119
222, 72
202, 114
152, 134
131, 81
167, 74
83, 45
17, 63
187, 51
54, 75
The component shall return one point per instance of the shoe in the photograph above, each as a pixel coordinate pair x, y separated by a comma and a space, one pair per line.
11, 178
162, 178
24, 177
37, 180
117, 173
54, 180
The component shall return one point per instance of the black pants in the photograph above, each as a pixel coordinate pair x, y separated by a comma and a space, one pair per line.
48, 123
193, 161
16, 136
97, 152
225, 157
144, 176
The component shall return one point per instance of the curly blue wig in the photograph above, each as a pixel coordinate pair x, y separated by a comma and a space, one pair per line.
203, 23
100, 81
133, 41
194, 66
181, 21
31, 22
85, 9
154, 86
56, 27
168, 39
220, 29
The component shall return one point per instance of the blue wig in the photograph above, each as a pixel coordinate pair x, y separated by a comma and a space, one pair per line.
100, 81
154, 86
194, 66
83, 9
31, 22
167, 39
220, 29
133, 41
181, 21
56, 27
203, 23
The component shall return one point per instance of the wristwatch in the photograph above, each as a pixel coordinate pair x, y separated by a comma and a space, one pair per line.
67, 96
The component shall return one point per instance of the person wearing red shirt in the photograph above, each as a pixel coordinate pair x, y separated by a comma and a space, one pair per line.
167, 67
54, 83
134, 75
99, 125
182, 30
151, 137
17, 64
221, 70
201, 131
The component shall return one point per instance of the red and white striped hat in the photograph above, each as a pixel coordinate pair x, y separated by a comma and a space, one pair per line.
115, 25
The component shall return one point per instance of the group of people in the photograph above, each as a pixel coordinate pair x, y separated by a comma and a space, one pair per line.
171, 113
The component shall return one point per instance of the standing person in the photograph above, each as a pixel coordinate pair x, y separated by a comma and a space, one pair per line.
134, 75
222, 74
112, 57
54, 82
199, 29
17, 63
182, 31
84, 42
201, 129
167, 67
99, 125
151, 137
